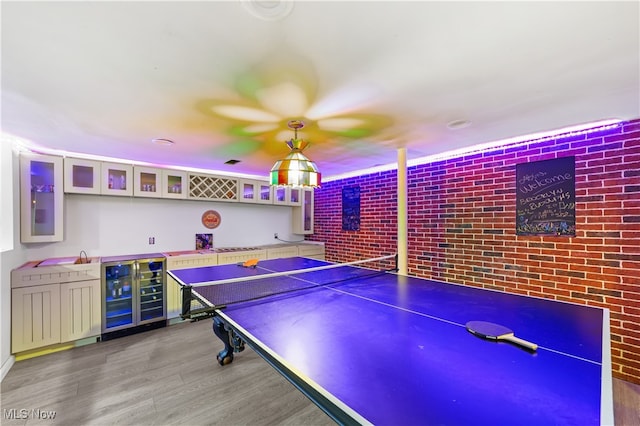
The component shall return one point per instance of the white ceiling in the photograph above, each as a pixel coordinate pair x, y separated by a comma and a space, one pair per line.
367, 77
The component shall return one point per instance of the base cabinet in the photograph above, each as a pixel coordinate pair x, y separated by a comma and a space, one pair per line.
312, 249
35, 319
241, 256
284, 250
80, 310
184, 261
54, 304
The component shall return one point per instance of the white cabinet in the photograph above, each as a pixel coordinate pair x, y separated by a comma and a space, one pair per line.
255, 191
41, 198
95, 177
295, 196
174, 184
314, 250
286, 196
35, 317
212, 188
117, 179
241, 256
80, 310
176, 261
147, 182
284, 250
280, 195
54, 304
155, 182
303, 216
82, 176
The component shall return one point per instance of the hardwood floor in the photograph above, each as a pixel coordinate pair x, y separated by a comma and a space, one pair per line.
161, 377
626, 403
169, 376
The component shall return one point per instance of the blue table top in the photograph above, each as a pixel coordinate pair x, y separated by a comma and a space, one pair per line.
394, 349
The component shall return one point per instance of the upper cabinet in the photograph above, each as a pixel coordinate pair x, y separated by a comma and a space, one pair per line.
287, 196
117, 179
213, 188
154, 182
147, 182
295, 196
41, 198
255, 191
303, 216
82, 176
96, 177
174, 184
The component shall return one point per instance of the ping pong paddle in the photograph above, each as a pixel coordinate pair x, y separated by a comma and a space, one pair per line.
492, 331
251, 263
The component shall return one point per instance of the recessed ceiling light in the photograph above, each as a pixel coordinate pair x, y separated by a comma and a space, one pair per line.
272, 10
161, 141
458, 124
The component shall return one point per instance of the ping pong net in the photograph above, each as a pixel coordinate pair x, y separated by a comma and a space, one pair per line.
202, 299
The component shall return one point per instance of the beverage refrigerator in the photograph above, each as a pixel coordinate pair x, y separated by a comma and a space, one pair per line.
133, 291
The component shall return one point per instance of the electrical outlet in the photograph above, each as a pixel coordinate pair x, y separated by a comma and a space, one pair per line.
152, 240
275, 235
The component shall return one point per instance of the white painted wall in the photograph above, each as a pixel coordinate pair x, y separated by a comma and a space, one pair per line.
9, 256
105, 225
108, 225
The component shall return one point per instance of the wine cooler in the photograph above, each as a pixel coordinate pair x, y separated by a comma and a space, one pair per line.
133, 291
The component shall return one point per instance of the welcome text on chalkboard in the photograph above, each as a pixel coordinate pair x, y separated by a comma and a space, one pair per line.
546, 197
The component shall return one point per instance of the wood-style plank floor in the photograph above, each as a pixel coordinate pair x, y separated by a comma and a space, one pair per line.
169, 376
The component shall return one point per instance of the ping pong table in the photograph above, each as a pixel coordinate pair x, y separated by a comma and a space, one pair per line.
387, 349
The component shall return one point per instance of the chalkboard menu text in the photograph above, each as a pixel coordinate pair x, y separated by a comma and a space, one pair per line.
546, 197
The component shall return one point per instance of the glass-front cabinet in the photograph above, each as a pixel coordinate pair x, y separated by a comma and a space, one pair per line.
264, 193
133, 291
255, 191
117, 179
157, 183
147, 182
294, 196
41, 198
303, 216
287, 196
174, 184
81, 176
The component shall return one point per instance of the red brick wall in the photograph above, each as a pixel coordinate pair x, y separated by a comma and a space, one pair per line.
378, 221
461, 228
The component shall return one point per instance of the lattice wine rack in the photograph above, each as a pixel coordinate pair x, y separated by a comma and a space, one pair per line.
213, 188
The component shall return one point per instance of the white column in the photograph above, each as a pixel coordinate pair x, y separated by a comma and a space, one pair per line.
402, 211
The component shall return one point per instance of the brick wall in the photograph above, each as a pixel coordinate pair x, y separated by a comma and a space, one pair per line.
461, 228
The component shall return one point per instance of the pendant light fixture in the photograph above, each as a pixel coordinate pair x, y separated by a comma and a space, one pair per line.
295, 169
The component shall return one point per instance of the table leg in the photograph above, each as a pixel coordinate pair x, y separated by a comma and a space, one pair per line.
232, 342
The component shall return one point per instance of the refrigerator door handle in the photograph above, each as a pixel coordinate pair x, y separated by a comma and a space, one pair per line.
136, 268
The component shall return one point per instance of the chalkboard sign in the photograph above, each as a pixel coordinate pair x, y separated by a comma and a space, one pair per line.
546, 197
351, 208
